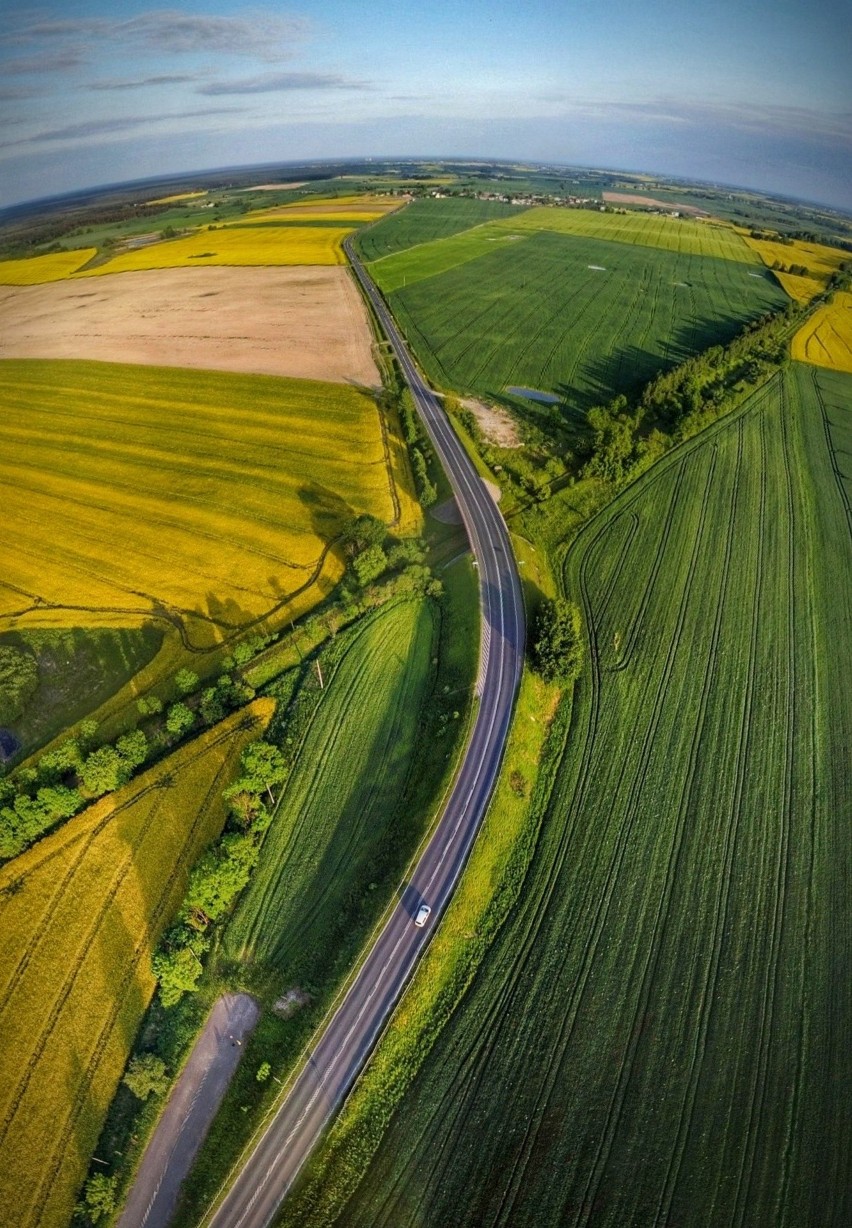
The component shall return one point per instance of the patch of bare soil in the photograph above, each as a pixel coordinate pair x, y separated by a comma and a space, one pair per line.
275, 187
303, 322
630, 198
497, 424
291, 1002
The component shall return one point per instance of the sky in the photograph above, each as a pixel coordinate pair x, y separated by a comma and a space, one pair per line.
755, 93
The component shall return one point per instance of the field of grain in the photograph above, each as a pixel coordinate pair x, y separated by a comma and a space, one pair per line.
424, 221
344, 211
170, 200
298, 321
202, 500
340, 804
674, 234
80, 914
581, 318
34, 270
819, 260
234, 245
429, 259
659, 1034
826, 338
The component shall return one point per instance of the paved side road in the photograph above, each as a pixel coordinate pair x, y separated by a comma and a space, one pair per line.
340, 1053
190, 1110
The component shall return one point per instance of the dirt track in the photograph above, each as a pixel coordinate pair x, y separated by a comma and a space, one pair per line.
298, 321
189, 1112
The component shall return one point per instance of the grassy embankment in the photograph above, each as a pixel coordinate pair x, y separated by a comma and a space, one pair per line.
222, 493
657, 1033
80, 915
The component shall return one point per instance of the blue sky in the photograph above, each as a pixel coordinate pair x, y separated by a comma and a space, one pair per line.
754, 93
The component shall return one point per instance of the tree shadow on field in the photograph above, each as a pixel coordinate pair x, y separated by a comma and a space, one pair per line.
327, 510
627, 369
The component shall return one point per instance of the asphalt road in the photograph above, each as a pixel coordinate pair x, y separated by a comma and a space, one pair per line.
348, 1039
190, 1109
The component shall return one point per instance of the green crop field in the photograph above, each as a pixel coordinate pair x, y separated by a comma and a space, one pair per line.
580, 317
205, 500
659, 1034
684, 235
341, 804
423, 221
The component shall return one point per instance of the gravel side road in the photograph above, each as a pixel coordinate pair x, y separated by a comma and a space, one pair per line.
189, 1112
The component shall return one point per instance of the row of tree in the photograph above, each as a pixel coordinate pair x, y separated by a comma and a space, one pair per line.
223, 871
77, 771
626, 438
420, 449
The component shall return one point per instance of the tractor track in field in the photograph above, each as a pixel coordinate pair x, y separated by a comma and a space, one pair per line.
782, 862
838, 475
651, 965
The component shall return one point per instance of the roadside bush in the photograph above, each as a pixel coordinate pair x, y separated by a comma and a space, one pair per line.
557, 647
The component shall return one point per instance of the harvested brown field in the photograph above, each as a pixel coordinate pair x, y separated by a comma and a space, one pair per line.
304, 322
637, 198
276, 187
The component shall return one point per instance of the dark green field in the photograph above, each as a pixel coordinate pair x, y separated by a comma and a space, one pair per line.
340, 806
425, 220
659, 1035
583, 318
78, 669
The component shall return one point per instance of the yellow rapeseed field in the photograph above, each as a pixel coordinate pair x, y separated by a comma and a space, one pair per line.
826, 339
819, 260
234, 245
37, 269
206, 500
80, 914
346, 209
168, 200
675, 234
271, 216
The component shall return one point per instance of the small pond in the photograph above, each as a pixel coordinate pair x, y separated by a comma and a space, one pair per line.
533, 394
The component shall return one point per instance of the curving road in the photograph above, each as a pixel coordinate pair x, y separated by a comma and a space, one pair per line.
349, 1037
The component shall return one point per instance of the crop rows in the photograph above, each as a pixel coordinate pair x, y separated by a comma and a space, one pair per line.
826, 337
223, 491
79, 917
819, 260
682, 235
658, 1034
424, 221
340, 800
234, 245
33, 270
579, 317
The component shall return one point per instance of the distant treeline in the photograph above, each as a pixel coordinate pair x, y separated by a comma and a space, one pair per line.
23, 240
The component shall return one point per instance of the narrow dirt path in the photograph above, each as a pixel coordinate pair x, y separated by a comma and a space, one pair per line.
189, 1112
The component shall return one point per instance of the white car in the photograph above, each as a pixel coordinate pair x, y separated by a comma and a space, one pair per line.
422, 915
